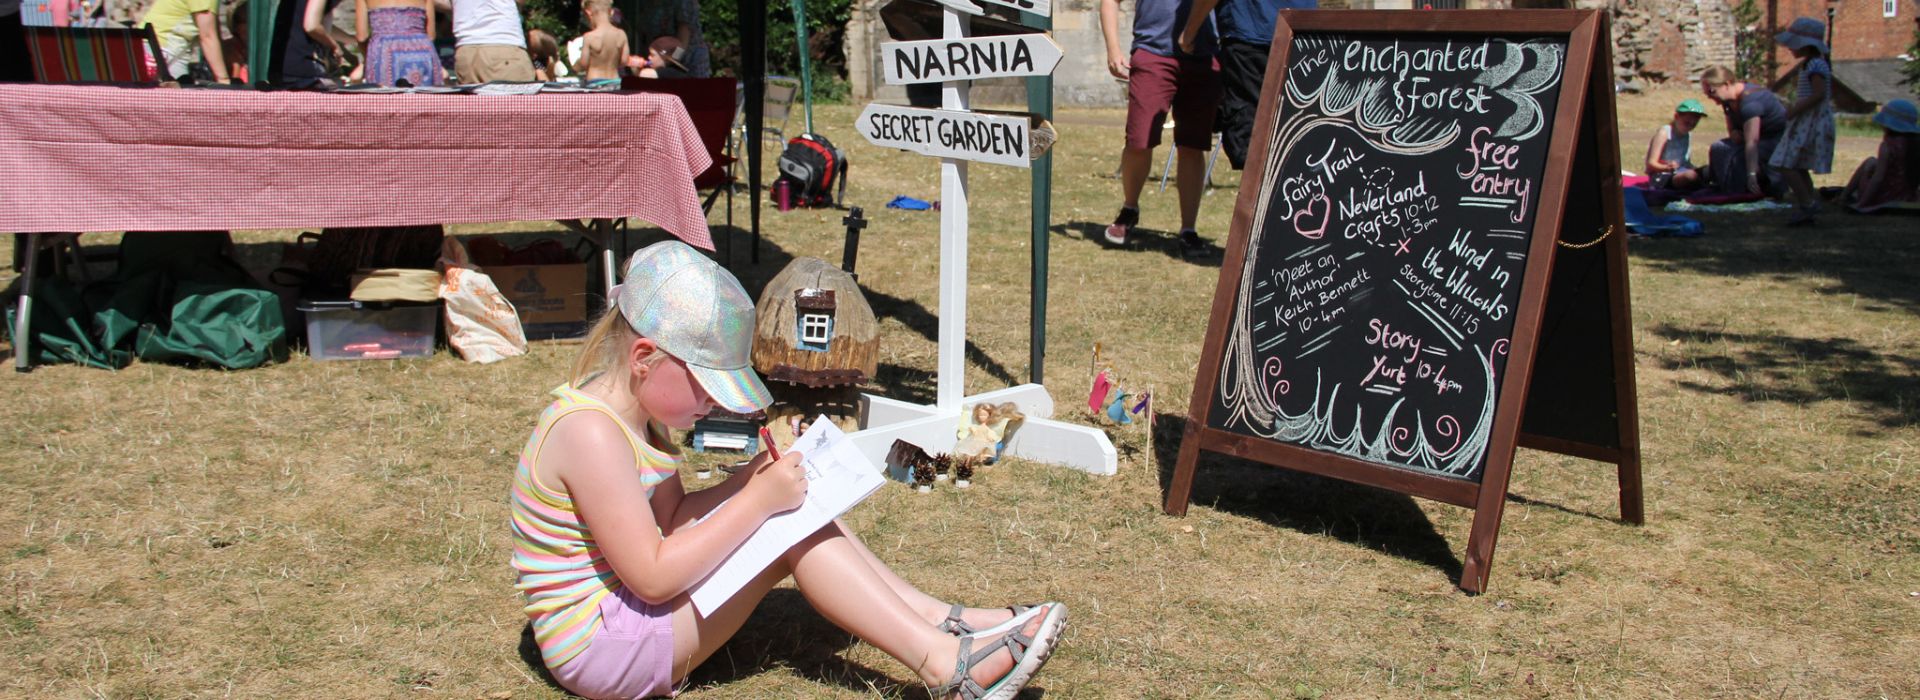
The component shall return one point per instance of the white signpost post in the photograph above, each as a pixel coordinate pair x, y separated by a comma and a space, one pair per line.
958, 136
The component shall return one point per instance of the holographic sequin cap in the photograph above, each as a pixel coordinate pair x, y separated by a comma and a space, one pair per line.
698, 312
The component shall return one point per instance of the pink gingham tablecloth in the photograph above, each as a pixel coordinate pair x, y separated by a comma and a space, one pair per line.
95, 158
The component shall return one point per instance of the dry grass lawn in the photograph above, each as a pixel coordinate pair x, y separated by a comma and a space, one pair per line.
319, 529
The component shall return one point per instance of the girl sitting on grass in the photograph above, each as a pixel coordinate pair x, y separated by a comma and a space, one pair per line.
608, 543
1893, 176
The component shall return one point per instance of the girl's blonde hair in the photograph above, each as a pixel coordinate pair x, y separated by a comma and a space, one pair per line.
605, 352
1717, 76
605, 349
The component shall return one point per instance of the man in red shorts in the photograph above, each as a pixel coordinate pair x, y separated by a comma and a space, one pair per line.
1160, 78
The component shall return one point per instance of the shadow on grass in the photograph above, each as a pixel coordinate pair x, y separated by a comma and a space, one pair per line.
1380, 520
1141, 240
1870, 256
1550, 505
1796, 370
783, 632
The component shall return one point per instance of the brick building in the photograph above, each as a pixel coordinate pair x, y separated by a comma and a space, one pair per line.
1860, 29
1869, 39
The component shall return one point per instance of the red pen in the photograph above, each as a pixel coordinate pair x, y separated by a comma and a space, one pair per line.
766, 438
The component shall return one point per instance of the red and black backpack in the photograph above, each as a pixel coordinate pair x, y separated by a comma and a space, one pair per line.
818, 171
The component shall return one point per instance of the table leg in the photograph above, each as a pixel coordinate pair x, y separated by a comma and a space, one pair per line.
22, 340
605, 227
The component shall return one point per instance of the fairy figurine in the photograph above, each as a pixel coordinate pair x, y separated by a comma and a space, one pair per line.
982, 428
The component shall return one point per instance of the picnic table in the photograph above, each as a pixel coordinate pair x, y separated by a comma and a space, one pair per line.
76, 158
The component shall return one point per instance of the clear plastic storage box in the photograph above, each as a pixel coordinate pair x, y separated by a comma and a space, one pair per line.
356, 330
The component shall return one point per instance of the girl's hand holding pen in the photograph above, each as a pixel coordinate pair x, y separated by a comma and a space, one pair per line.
780, 484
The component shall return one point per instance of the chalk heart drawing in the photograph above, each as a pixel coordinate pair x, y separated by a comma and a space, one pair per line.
1319, 206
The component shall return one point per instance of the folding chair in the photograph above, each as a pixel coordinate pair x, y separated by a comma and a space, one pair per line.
114, 55
120, 55
1213, 155
777, 105
712, 104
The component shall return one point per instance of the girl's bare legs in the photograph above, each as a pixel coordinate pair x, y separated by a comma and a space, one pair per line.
1861, 176
833, 573
1800, 182
931, 609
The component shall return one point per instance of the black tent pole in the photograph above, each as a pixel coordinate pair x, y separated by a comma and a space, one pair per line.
753, 73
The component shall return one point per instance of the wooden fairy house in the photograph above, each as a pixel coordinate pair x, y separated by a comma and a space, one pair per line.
815, 338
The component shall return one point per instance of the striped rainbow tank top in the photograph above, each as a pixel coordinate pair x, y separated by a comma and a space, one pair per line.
562, 573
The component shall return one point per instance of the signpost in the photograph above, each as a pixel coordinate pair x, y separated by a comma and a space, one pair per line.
1014, 56
959, 137
1043, 8
943, 133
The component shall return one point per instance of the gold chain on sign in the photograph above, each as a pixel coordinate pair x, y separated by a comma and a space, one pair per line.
1589, 244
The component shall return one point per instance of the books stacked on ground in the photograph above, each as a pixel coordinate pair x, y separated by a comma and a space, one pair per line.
722, 430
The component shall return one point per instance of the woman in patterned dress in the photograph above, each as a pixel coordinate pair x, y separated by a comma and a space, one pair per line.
398, 35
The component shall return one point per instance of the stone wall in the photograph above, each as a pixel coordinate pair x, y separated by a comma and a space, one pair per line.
1658, 41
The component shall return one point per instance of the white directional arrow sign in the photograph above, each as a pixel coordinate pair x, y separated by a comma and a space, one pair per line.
946, 133
939, 60
1043, 8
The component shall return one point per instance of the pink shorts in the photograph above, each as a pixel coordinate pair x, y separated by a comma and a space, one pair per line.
630, 657
1188, 86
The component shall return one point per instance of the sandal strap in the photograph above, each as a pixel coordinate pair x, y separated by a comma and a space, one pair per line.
953, 624
962, 681
1016, 642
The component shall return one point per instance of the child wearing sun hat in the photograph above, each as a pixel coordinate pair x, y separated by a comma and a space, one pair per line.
1893, 176
1807, 145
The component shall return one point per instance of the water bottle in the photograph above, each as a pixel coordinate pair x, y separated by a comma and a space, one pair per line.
783, 194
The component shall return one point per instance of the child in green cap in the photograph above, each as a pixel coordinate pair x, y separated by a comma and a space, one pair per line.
1668, 165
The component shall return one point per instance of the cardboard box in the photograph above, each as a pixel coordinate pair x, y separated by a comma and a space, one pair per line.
551, 299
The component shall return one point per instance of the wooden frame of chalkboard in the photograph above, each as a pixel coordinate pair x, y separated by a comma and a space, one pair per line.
1359, 110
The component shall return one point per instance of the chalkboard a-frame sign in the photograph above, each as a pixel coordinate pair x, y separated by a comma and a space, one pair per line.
1427, 265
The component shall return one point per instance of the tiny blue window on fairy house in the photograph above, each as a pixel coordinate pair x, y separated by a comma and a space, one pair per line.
813, 314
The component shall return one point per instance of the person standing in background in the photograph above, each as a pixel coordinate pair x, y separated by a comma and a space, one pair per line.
604, 48
189, 31
1246, 35
398, 37
1160, 78
698, 58
303, 50
490, 43
1806, 146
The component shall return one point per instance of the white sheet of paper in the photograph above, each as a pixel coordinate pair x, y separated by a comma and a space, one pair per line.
508, 89
838, 477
